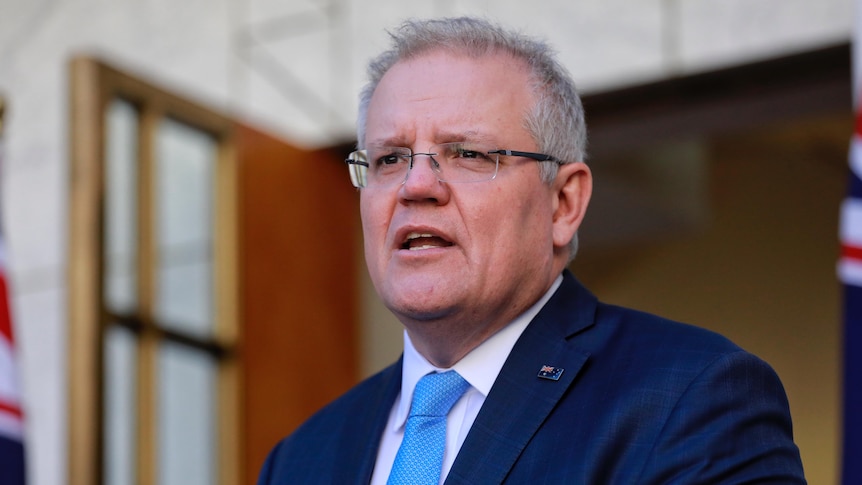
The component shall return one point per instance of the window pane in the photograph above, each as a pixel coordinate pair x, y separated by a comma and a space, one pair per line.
187, 428
186, 159
121, 207
120, 405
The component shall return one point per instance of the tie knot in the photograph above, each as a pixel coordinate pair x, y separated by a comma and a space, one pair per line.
436, 393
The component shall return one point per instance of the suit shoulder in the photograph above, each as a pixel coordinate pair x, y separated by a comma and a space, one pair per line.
595, 326
639, 343
648, 329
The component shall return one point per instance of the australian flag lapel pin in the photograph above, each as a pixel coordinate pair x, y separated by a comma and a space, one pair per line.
550, 372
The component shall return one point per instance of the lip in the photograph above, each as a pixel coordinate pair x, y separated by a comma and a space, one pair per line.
403, 232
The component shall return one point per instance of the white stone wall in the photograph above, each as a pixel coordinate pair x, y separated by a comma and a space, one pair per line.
293, 67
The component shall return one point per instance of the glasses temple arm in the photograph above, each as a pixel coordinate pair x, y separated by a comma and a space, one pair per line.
541, 157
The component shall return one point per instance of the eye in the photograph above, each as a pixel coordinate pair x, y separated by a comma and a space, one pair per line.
389, 159
389, 156
466, 153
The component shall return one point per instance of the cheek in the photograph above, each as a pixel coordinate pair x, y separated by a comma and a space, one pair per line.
374, 226
510, 222
529, 219
371, 213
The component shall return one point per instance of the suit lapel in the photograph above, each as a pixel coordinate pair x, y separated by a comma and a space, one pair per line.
520, 400
371, 420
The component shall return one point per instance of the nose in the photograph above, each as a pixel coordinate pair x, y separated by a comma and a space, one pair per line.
432, 165
422, 182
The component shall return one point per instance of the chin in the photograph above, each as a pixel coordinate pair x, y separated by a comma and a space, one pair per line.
419, 307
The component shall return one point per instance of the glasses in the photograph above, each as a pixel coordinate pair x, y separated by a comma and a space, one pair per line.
457, 162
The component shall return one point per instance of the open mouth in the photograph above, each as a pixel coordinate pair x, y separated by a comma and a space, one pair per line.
416, 241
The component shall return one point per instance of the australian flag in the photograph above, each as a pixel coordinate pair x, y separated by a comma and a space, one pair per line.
11, 419
850, 273
11, 423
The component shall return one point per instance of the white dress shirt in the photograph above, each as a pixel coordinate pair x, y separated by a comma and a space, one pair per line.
480, 368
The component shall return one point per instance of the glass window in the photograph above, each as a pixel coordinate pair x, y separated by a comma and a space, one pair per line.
184, 199
154, 365
121, 207
120, 403
161, 354
187, 416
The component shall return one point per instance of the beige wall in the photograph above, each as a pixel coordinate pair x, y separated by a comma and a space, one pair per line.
759, 268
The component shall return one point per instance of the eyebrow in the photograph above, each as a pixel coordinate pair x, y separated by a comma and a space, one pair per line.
440, 137
388, 142
469, 135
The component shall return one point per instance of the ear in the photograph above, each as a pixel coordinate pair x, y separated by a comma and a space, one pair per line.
572, 189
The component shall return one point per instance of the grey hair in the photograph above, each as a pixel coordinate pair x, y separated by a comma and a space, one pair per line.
556, 120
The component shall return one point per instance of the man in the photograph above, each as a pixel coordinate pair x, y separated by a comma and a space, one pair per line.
472, 188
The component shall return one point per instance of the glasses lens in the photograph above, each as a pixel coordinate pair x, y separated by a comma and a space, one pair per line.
452, 162
387, 165
357, 165
465, 162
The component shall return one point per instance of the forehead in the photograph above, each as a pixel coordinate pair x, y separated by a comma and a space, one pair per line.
440, 91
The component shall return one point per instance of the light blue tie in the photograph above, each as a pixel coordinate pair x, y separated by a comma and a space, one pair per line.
420, 456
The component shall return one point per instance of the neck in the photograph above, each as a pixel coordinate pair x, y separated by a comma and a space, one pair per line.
445, 341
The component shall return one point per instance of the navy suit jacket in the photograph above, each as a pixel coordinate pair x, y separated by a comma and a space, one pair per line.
641, 400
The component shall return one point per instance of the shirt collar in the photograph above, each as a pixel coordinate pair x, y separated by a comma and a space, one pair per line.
479, 367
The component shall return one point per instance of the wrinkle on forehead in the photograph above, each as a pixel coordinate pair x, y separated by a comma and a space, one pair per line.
441, 97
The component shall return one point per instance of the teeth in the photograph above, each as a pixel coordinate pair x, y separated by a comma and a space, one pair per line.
419, 246
416, 235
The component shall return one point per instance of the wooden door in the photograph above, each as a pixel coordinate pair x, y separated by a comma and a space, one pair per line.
298, 244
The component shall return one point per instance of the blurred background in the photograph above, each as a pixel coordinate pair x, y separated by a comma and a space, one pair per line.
183, 251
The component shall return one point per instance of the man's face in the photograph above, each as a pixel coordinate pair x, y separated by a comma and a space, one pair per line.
486, 251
